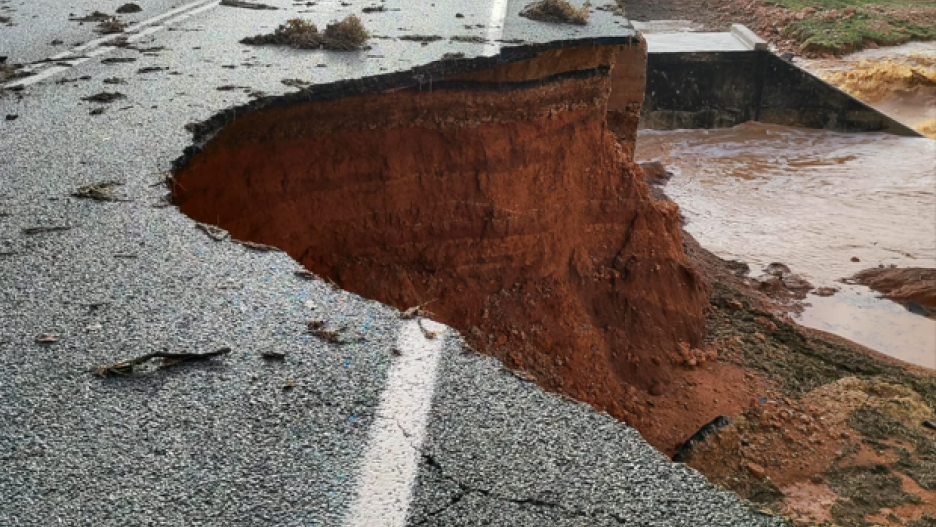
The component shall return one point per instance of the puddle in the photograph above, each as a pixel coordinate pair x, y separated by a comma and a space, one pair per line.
814, 199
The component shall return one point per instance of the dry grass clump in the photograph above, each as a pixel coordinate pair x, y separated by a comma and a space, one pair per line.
556, 11
346, 35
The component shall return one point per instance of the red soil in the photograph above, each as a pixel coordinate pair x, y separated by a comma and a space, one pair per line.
513, 210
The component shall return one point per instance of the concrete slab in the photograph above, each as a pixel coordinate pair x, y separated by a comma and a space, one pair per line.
693, 42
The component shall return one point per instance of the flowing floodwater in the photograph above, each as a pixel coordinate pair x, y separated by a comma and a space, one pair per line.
899, 81
814, 200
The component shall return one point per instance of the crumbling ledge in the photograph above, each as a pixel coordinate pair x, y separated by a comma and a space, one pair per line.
499, 195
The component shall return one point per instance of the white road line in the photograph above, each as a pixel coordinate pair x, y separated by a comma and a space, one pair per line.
385, 485
495, 28
95, 47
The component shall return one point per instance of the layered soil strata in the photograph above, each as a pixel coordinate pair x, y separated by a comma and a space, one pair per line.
499, 199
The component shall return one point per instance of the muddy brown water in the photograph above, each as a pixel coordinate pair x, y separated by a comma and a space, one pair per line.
814, 199
884, 79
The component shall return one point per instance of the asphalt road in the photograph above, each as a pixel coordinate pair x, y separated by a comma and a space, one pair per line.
340, 434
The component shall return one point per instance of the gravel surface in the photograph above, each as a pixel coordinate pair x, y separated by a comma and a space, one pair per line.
239, 439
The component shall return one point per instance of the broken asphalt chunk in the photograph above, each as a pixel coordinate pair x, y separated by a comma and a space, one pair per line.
217, 233
124, 368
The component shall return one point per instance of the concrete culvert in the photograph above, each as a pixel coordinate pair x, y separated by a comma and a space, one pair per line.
500, 198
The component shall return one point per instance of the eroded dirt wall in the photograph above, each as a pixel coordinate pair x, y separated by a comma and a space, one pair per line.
628, 86
499, 198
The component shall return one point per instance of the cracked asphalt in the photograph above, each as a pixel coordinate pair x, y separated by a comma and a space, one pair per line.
241, 439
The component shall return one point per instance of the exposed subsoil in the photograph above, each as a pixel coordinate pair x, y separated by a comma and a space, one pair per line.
501, 202
499, 199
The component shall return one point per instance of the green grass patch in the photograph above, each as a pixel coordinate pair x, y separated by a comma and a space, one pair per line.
843, 35
828, 5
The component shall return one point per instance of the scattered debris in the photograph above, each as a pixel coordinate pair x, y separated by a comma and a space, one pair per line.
453, 56
289, 385
217, 233
294, 83
307, 275
129, 8
474, 39
346, 35
556, 11
47, 338
9, 72
416, 311
257, 246
273, 355
317, 328
114, 80
151, 69
12, 117
111, 26
117, 60
95, 16
247, 5
374, 9
103, 191
429, 335
396, 352
226, 87
29, 231
125, 368
421, 38
96, 111
104, 97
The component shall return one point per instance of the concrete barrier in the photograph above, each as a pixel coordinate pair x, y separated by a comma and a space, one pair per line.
735, 79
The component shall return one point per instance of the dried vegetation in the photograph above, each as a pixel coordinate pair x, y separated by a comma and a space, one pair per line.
556, 11
347, 35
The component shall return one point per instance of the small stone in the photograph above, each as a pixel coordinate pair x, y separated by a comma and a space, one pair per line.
855, 259
756, 470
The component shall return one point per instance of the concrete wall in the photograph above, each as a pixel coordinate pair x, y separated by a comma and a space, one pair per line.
722, 89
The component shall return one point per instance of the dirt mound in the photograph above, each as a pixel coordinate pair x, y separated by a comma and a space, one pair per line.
904, 285
842, 452
508, 205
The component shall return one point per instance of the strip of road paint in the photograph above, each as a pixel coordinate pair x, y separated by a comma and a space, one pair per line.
495, 28
97, 46
385, 483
